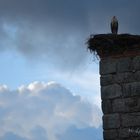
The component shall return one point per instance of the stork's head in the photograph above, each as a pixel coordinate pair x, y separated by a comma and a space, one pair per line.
114, 17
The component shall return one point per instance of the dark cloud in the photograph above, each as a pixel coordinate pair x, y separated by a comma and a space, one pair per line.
56, 31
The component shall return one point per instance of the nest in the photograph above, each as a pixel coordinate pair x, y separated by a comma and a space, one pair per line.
106, 44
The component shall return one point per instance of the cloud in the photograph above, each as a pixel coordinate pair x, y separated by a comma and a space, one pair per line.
74, 133
44, 31
45, 111
56, 31
12, 136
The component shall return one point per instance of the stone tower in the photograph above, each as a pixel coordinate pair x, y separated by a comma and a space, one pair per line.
120, 84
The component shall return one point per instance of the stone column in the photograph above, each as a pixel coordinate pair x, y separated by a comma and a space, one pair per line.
120, 84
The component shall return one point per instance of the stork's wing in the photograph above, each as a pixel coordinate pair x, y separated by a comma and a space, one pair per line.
114, 27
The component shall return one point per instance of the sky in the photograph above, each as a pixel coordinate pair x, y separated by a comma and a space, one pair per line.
49, 81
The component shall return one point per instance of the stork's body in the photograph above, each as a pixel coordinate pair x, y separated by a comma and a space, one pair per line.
114, 25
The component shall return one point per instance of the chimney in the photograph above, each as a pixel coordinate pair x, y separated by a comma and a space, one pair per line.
120, 84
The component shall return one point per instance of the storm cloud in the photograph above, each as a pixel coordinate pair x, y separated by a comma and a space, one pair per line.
56, 31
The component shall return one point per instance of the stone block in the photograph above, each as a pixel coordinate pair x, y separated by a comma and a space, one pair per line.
130, 132
125, 77
124, 133
131, 89
108, 66
136, 63
130, 119
137, 76
124, 64
132, 104
119, 78
110, 134
106, 106
126, 105
107, 80
127, 90
118, 105
111, 121
131, 138
111, 91
134, 131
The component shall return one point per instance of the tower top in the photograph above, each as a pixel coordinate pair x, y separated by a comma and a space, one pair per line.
112, 45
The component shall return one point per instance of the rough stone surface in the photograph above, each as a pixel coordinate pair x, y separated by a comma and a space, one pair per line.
120, 84
130, 119
124, 133
113, 132
137, 76
111, 91
125, 105
120, 93
136, 63
124, 65
125, 77
111, 121
131, 138
120, 78
131, 89
106, 106
118, 105
106, 80
108, 66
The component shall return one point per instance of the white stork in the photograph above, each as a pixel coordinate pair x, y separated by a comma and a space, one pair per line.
114, 25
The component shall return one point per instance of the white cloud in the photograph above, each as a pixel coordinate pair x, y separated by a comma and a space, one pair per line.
44, 110
85, 83
3, 88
